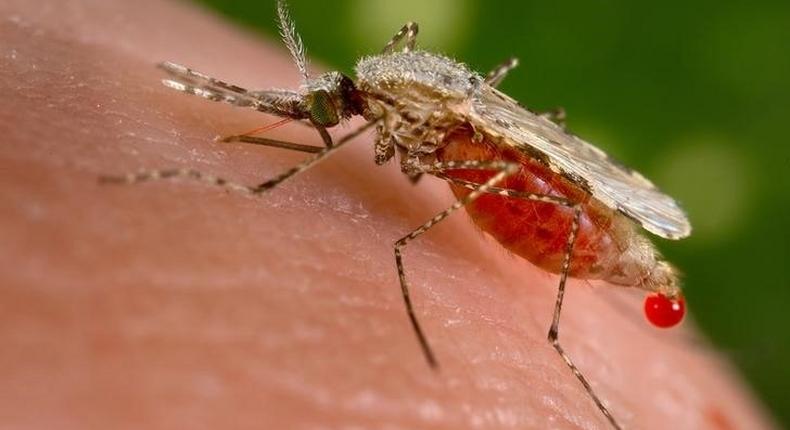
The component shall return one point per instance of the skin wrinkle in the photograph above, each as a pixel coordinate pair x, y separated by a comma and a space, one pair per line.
179, 305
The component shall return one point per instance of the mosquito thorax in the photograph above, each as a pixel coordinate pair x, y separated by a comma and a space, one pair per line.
418, 92
414, 85
330, 98
434, 76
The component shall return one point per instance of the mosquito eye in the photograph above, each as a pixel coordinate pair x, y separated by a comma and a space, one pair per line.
664, 312
322, 110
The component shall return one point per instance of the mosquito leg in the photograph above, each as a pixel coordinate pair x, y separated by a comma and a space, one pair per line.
556, 115
271, 183
325, 136
553, 335
503, 169
384, 148
160, 174
495, 77
273, 143
153, 175
506, 192
409, 31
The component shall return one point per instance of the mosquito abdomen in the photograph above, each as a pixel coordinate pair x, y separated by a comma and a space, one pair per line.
606, 246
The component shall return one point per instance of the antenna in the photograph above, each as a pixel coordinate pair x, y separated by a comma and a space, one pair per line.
291, 38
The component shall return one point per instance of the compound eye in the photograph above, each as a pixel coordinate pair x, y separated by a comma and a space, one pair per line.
322, 110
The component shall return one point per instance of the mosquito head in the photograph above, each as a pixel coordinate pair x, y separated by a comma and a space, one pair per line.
330, 98
327, 99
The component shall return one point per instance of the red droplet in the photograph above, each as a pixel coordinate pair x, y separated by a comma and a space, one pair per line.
664, 312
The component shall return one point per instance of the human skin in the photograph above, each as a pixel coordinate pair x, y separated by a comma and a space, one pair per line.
180, 305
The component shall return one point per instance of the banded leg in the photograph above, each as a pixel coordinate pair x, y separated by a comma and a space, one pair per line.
191, 174
495, 77
409, 31
553, 335
384, 148
503, 169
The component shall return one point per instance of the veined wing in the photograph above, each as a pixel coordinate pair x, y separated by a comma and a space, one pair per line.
608, 181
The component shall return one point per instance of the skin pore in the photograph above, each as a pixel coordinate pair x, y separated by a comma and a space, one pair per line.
178, 305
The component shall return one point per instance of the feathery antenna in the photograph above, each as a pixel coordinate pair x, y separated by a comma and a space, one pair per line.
291, 38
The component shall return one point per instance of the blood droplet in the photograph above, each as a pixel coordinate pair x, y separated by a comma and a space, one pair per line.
664, 312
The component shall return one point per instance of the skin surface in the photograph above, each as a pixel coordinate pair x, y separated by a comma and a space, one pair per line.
178, 305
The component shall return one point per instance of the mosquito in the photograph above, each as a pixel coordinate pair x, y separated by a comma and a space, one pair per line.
542, 192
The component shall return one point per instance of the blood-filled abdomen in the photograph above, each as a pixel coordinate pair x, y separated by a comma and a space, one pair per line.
538, 231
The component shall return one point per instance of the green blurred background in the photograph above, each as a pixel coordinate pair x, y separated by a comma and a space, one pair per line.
695, 94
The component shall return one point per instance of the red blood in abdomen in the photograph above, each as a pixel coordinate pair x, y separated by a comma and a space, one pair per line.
537, 231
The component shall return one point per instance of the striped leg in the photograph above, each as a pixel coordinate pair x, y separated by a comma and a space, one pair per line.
153, 175
495, 77
503, 169
553, 335
409, 31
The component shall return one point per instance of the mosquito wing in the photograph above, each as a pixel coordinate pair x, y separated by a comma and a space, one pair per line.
610, 182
